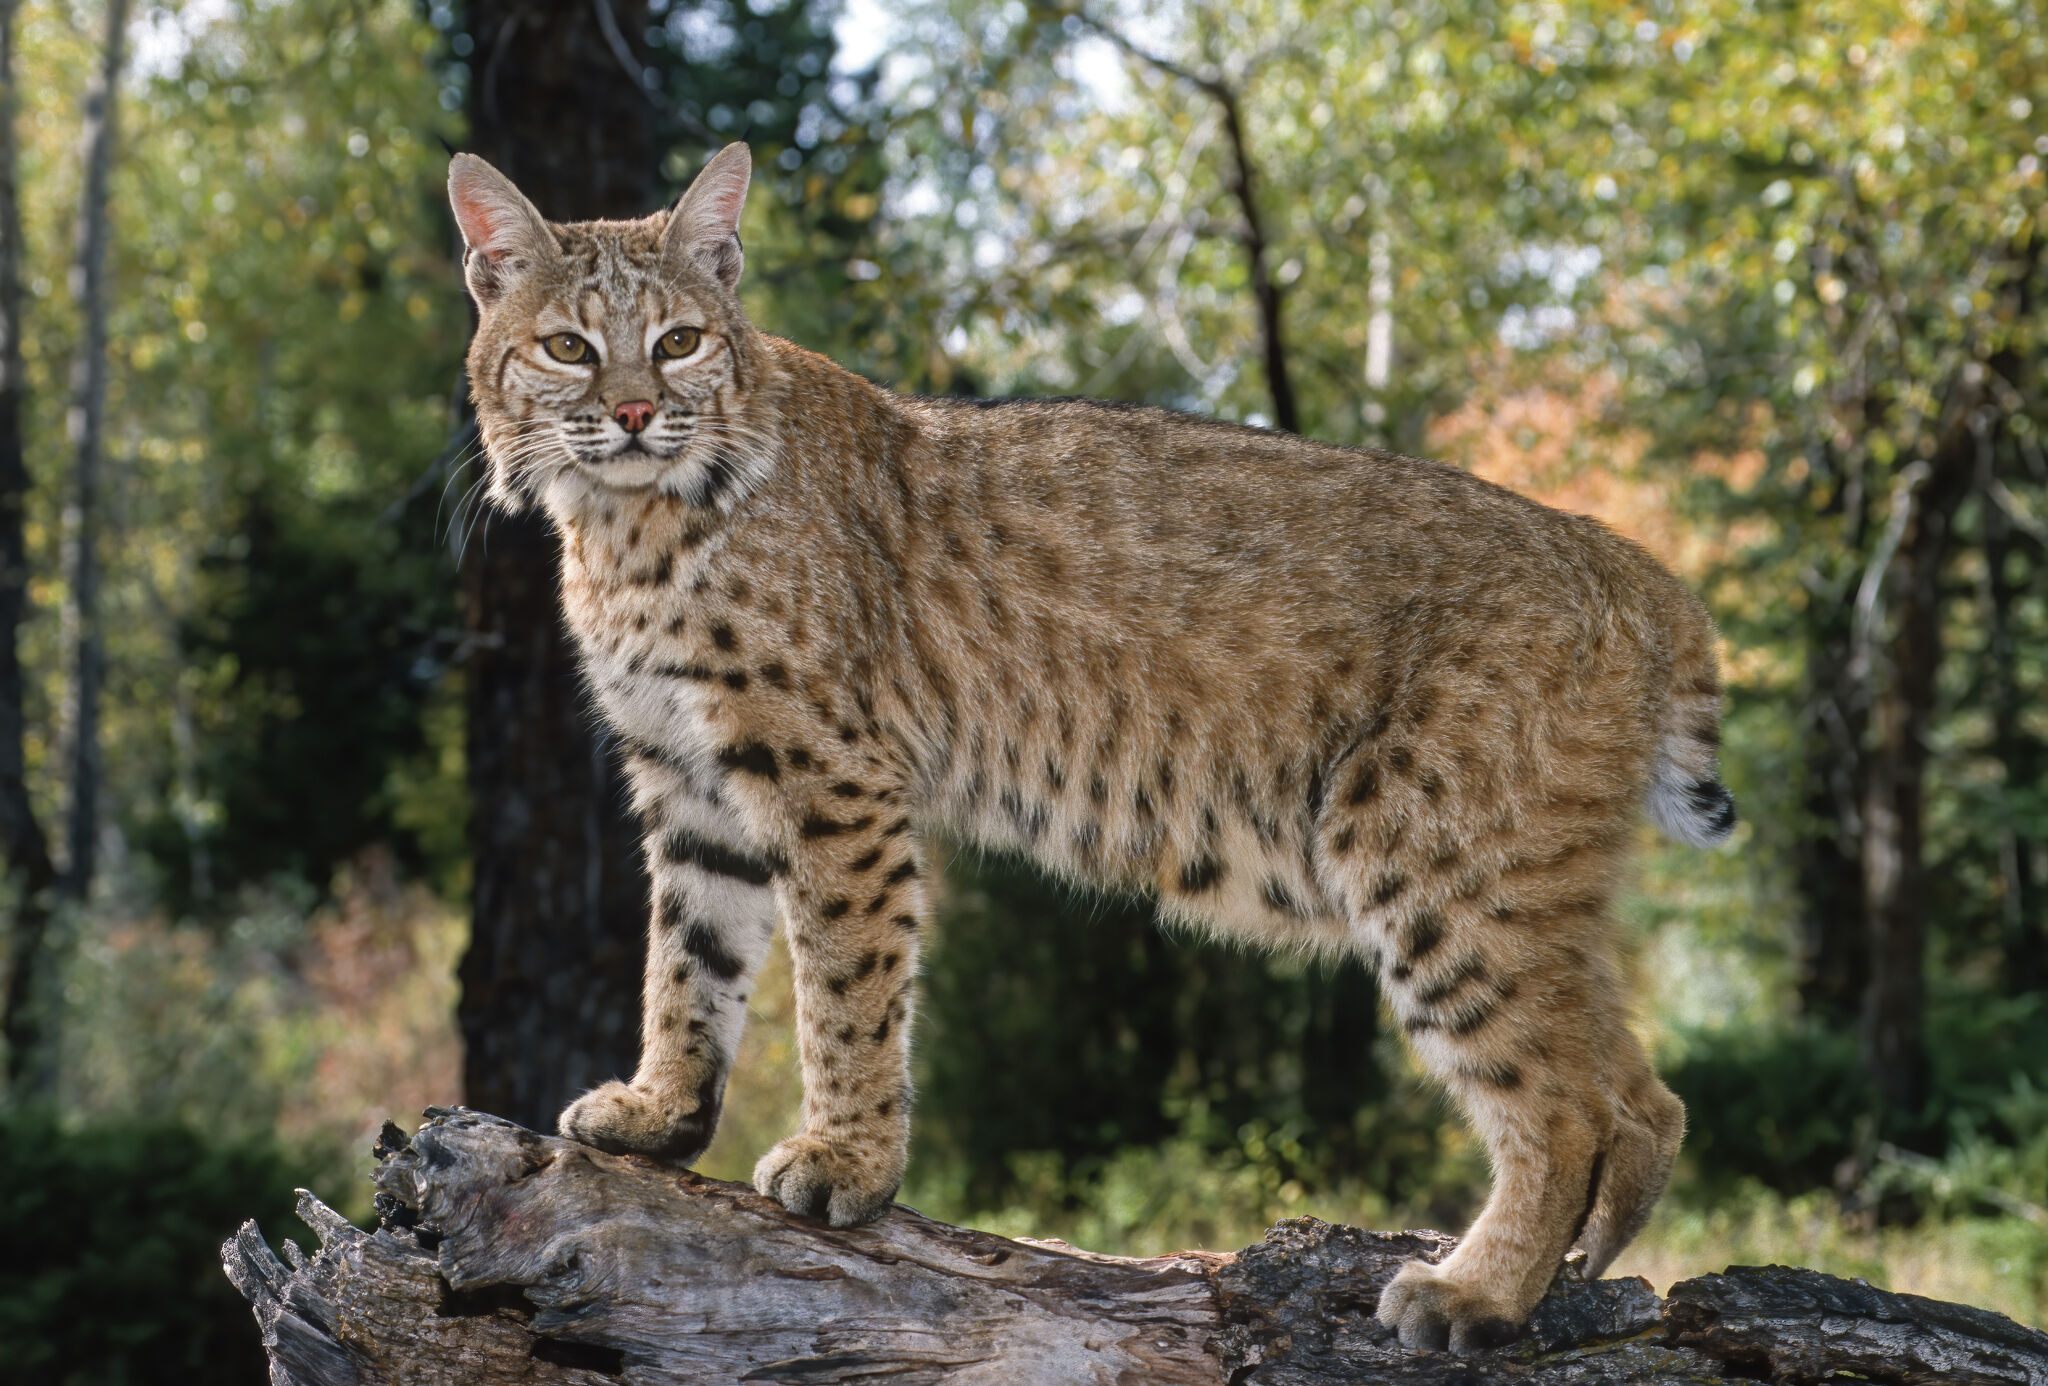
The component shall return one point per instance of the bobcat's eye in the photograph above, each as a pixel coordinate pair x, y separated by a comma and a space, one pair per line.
678, 342
568, 348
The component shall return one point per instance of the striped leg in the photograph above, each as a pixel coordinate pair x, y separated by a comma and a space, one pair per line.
1510, 998
1511, 1033
1649, 1124
714, 910
855, 902
1490, 919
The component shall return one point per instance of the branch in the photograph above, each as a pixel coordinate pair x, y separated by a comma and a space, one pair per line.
1265, 293
505, 1256
615, 40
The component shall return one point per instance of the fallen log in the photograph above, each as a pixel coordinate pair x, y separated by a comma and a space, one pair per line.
507, 1256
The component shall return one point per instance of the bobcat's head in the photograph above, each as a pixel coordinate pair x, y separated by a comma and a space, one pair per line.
611, 355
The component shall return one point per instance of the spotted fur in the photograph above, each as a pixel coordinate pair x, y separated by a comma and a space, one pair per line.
1320, 698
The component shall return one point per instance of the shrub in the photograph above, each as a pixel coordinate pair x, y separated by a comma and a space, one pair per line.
1778, 1106
113, 1230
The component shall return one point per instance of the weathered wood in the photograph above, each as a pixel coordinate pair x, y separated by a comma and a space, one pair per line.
505, 1256
1792, 1325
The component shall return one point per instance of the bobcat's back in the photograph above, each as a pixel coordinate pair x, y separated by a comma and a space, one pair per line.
1144, 647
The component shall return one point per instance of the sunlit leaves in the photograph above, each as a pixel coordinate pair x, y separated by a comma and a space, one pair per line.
1803, 236
285, 328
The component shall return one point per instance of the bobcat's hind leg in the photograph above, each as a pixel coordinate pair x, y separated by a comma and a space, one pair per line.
713, 913
1495, 954
1649, 1123
1508, 1039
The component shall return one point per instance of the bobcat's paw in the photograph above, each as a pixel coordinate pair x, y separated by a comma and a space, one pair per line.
625, 1120
846, 1185
1434, 1312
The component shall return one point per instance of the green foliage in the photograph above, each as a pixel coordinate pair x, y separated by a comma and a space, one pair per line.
1071, 1026
1990, 1067
1788, 1107
280, 1014
1396, 1160
334, 640
1824, 222
1071, 1045
1780, 1107
1067, 220
285, 330
1146, 1200
112, 1275
757, 72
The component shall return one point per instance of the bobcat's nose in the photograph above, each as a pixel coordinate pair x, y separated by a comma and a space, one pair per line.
634, 415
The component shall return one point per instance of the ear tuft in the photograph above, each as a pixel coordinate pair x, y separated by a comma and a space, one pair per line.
505, 234
705, 225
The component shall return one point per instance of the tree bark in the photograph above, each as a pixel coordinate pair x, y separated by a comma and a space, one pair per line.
1827, 851
504, 1256
1902, 705
2023, 933
551, 979
27, 852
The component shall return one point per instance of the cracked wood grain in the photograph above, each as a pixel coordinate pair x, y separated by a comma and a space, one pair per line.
506, 1256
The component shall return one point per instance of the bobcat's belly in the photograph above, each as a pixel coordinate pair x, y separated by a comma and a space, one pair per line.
1216, 855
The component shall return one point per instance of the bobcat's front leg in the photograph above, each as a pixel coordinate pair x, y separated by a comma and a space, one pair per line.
714, 910
854, 901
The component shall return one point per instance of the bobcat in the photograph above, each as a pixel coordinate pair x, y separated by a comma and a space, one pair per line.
1322, 698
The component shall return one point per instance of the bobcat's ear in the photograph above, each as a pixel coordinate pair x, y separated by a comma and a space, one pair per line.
706, 223
505, 235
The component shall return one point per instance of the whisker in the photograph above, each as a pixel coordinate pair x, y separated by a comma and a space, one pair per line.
467, 516
455, 471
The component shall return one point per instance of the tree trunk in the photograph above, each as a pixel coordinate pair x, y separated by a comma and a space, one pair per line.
2021, 753
27, 853
551, 980
505, 1257
1901, 710
1834, 964
1265, 292
83, 641
2023, 933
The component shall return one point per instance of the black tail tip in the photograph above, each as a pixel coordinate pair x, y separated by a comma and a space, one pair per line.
1714, 806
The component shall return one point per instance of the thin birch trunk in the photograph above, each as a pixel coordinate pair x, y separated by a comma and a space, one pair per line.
27, 854
84, 643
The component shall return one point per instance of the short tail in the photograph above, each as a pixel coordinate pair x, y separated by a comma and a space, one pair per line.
1687, 799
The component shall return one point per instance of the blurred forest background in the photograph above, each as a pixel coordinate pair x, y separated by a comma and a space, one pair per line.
304, 823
